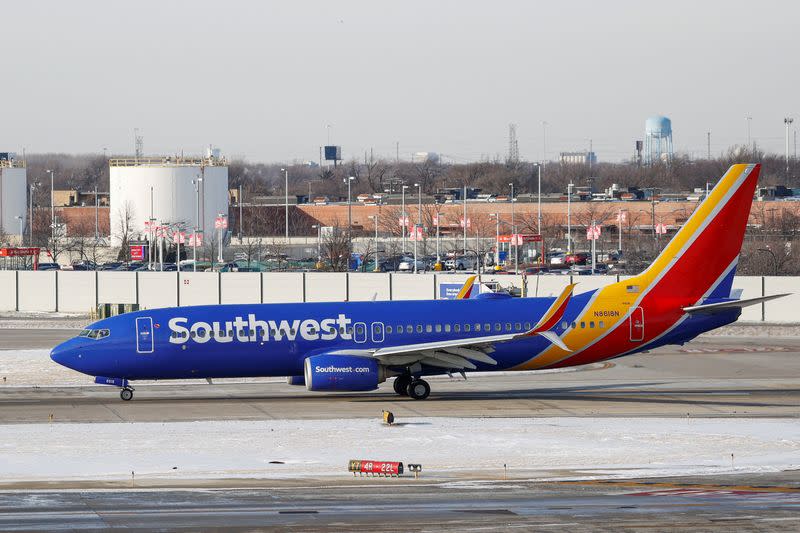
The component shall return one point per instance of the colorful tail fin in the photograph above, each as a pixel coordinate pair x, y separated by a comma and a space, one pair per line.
700, 261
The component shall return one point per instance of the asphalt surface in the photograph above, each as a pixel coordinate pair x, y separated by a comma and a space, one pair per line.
711, 377
739, 503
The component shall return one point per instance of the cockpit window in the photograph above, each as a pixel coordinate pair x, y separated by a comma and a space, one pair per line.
94, 333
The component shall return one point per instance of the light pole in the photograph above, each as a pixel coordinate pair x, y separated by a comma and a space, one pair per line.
319, 244
196, 183
464, 220
286, 203
30, 214
349, 222
52, 206
96, 215
403, 215
788, 122
514, 231
418, 225
748, 120
496, 240
21, 227
223, 224
438, 253
377, 263
539, 200
570, 185
239, 198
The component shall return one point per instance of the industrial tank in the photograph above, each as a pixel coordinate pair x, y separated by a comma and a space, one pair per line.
13, 197
658, 126
170, 190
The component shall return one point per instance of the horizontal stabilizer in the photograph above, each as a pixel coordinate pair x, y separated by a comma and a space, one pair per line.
731, 304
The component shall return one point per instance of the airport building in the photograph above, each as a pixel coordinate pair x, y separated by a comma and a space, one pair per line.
13, 196
175, 191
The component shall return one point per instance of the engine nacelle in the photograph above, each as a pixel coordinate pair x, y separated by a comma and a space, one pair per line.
342, 373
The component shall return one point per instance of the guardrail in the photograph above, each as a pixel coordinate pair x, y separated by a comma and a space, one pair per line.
80, 292
167, 161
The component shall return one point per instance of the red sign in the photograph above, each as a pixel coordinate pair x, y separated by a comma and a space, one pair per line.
179, 237
196, 239
138, 251
385, 468
403, 220
18, 252
593, 232
221, 223
461, 222
622, 216
519, 238
437, 219
661, 229
415, 233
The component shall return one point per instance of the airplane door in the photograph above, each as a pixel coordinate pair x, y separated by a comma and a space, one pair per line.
636, 321
360, 332
144, 335
377, 332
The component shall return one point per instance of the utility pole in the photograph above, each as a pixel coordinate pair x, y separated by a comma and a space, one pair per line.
569, 217
286, 203
30, 215
96, 216
239, 197
514, 231
349, 222
708, 137
403, 215
418, 226
52, 206
465, 219
788, 122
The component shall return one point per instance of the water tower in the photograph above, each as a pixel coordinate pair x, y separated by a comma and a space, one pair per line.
657, 140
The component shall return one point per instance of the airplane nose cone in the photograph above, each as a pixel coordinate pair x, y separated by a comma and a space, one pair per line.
62, 354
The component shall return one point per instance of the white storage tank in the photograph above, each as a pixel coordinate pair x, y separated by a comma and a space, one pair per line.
171, 190
13, 197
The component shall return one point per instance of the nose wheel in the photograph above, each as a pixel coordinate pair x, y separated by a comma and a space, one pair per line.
126, 394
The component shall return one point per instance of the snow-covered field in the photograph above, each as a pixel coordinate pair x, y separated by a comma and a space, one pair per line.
446, 447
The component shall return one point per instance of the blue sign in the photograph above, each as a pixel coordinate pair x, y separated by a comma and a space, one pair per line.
502, 256
449, 291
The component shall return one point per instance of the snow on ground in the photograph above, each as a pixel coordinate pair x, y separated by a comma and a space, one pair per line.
446, 447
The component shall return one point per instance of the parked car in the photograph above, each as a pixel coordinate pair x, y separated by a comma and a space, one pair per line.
534, 270
557, 259
49, 266
460, 263
84, 265
578, 258
407, 265
110, 266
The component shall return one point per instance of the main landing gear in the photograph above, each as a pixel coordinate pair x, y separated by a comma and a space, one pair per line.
414, 388
126, 394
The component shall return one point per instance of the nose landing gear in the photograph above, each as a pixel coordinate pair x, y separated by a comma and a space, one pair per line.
126, 394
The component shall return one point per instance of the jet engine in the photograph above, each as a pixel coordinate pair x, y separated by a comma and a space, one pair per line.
342, 373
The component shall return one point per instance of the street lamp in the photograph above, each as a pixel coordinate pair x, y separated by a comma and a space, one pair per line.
788, 122
403, 216
21, 227
377, 263
349, 221
570, 185
52, 204
496, 217
318, 227
418, 225
286, 204
514, 231
196, 183
30, 213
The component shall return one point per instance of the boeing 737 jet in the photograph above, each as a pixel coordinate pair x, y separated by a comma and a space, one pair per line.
355, 346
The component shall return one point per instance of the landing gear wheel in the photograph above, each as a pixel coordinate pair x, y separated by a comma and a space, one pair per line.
126, 394
401, 384
418, 389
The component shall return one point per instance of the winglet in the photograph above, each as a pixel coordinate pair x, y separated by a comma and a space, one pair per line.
466, 290
551, 318
556, 311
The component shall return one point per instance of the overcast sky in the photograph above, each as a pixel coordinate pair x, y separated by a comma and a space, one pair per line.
263, 80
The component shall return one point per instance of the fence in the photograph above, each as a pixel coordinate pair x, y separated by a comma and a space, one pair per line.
80, 292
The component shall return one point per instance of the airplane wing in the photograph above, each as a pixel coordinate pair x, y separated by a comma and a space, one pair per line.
731, 304
460, 354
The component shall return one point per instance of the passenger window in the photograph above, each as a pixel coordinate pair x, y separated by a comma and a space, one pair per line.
428, 328
583, 325
275, 332
487, 327
438, 328
591, 324
192, 334
602, 325
508, 326
518, 326
527, 326
574, 325
419, 328
409, 329
457, 328
497, 326
477, 327
211, 334
388, 329
447, 328
201, 333
399, 328
564, 325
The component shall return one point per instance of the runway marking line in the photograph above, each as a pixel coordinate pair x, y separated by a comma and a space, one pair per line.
672, 487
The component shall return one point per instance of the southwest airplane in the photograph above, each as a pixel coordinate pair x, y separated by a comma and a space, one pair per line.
354, 346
